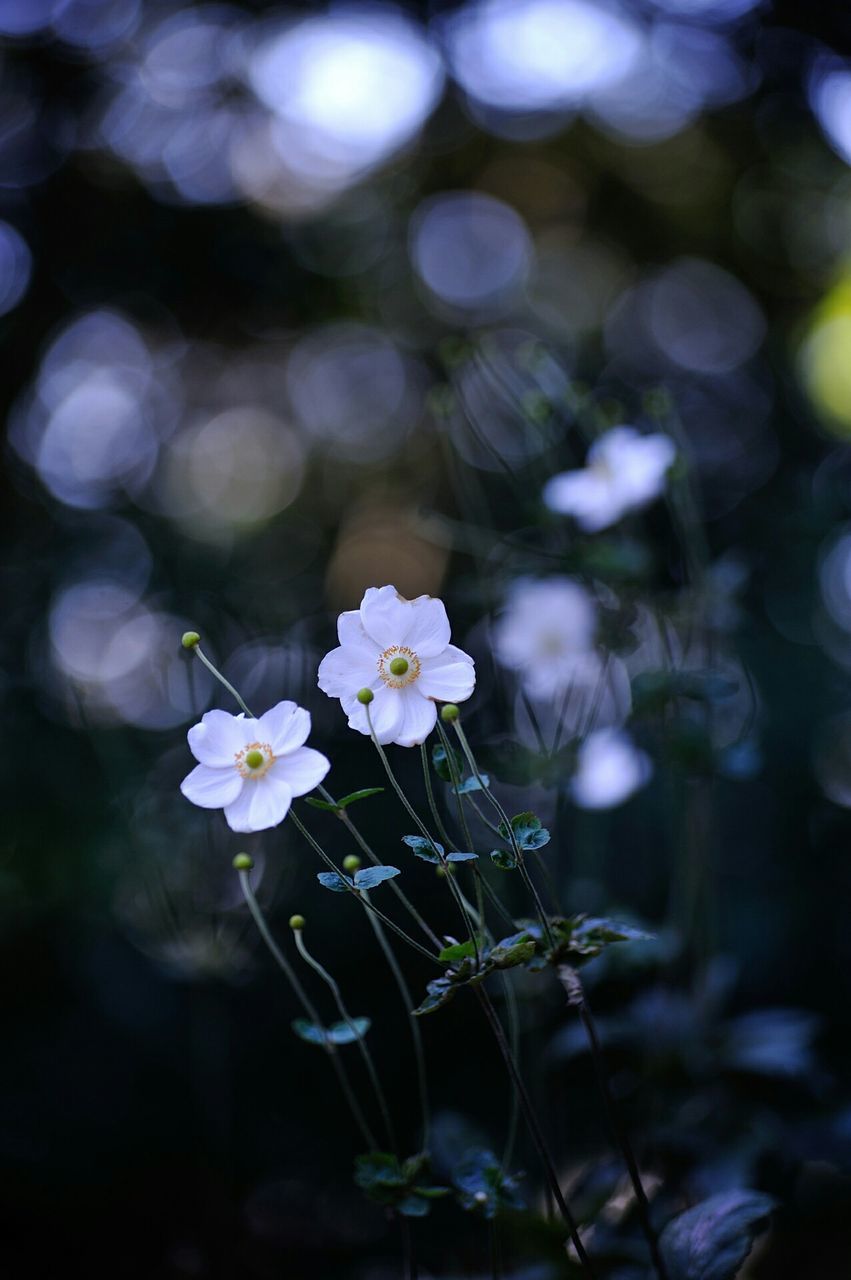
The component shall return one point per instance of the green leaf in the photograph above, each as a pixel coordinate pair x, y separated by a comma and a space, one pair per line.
332, 880
505, 859
439, 992
472, 784
528, 831
413, 1206
378, 1171
461, 857
441, 763
353, 796
324, 805
712, 1240
369, 877
388, 1182
483, 1187
508, 952
424, 849
348, 1032
458, 951
309, 1031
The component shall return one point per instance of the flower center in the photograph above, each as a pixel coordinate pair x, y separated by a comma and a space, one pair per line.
255, 760
398, 666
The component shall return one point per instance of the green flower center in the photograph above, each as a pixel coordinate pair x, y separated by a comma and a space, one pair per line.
254, 759
399, 666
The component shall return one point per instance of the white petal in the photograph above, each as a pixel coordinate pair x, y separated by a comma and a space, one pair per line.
385, 616
284, 727
590, 498
420, 717
386, 711
212, 788
303, 769
260, 805
429, 633
216, 740
350, 631
451, 677
347, 669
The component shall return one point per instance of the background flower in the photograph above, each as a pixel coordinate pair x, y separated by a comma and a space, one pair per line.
253, 768
609, 770
546, 634
400, 650
624, 471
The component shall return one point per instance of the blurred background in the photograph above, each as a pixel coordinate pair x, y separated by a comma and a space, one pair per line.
298, 300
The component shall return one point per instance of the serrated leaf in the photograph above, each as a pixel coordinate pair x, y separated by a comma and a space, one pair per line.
348, 1032
457, 951
472, 784
527, 830
309, 1031
369, 877
334, 881
461, 857
424, 849
712, 1240
441, 763
505, 859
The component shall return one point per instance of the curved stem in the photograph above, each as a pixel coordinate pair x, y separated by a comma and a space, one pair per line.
534, 1128
368, 906
361, 1043
227, 684
289, 973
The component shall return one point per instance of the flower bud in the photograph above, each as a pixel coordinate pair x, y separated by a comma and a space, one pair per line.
449, 713
365, 696
351, 862
190, 639
297, 923
243, 862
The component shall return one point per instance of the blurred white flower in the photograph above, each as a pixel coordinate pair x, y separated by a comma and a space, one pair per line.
547, 634
253, 768
609, 769
400, 650
624, 471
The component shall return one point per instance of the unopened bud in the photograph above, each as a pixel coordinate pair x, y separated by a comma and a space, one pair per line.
190, 639
449, 713
297, 923
365, 696
351, 862
243, 862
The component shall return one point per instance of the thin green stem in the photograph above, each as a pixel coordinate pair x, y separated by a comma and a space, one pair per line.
368, 906
514, 1039
416, 1035
462, 817
227, 684
289, 973
362, 844
368, 1062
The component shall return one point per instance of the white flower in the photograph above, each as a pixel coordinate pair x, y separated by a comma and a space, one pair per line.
624, 471
547, 634
400, 650
609, 769
253, 768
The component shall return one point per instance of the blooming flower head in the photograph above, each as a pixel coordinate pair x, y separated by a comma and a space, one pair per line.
398, 649
624, 471
547, 634
609, 769
253, 768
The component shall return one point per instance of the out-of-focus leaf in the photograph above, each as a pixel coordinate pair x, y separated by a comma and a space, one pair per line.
712, 1240
472, 784
440, 762
483, 1187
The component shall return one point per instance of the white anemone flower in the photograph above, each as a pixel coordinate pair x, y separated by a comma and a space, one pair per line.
253, 768
398, 649
624, 472
546, 634
609, 769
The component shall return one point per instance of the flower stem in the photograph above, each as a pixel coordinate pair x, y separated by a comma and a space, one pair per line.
361, 1042
424, 831
534, 1127
289, 973
227, 684
376, 861
509, 832
576, 998
368, 906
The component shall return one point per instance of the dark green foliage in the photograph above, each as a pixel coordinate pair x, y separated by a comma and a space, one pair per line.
338, 805
405, 1185
712, 1240
483, 1187
337, 1033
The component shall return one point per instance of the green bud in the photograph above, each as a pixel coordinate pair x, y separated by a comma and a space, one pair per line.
351, 862
445, 870
398, 666
365, 696
297, 923
449, 713
190, 639
243, 862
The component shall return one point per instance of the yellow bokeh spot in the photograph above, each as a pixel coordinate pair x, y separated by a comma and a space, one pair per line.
825, 358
